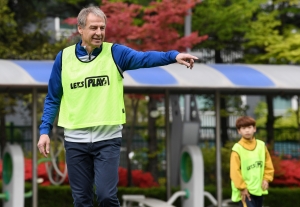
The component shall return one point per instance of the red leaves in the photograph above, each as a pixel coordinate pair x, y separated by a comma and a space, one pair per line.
287, 172
158, 97
71, 21
41, 172
122, 177
120, 20
136, 96
139, 178
143, 179
152, 28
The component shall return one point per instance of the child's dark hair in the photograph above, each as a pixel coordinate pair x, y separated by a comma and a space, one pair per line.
245, 121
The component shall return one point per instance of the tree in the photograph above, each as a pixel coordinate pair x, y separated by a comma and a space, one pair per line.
7, 104
139, 2
8, 32
18, 42
274, 33
145, 109
134, 105
32, 11
273, 40
23, 34
146, 28
225, 22
262, 34
232, 106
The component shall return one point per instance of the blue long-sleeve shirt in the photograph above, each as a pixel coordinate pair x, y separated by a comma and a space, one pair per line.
125, 58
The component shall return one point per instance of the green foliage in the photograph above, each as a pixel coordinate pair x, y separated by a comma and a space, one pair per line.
273, 199
273, 34
74, 2
286, 51
261, 113
289, 119
140, 129
224, 21
265, 24
285, 126
234, 105
14, 135
209, 159
7, 103
266, 31
45, 51
53, 196
9, 39
17, 41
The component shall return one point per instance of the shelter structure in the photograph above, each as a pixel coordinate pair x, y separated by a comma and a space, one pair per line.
234, 79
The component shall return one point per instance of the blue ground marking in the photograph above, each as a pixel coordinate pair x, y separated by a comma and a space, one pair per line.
244, 76
39, 70
153, 76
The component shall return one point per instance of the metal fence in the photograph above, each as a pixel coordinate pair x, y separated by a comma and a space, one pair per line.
286, 141
286, 144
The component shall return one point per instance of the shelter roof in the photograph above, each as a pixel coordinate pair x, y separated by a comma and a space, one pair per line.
22, 75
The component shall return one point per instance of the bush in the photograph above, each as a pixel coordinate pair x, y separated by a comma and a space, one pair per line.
139, 178
287, 172
54, 196
209, 159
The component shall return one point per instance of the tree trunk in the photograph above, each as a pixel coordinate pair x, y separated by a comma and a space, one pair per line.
223, 118
2, 133
152, 141
297, 112
218, 58
134, 104
224, 121
270, 120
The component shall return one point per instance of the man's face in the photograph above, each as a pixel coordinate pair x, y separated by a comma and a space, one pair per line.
93, 33
247, 132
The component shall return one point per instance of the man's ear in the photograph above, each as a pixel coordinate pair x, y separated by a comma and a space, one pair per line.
79, 30
238, 131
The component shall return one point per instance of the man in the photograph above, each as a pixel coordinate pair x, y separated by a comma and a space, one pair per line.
86, 87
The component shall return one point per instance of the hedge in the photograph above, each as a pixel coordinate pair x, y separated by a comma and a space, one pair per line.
54, 196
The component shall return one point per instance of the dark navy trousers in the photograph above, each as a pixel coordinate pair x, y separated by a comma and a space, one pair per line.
92, 164
256, 201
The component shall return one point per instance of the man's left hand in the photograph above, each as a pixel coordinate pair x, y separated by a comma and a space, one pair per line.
186, 59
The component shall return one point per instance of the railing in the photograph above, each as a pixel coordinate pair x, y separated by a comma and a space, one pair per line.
286, 141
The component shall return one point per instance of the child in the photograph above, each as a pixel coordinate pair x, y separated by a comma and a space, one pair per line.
251, 167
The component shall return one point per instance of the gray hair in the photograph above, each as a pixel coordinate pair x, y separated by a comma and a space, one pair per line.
81, 18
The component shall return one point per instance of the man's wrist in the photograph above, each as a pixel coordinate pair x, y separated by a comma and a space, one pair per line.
44, 132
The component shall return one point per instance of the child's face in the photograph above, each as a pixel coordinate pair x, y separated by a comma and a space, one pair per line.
247, 131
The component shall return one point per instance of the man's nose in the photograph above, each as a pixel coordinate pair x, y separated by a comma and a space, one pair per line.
98, 31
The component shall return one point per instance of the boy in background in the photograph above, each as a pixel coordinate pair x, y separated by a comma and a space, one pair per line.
251, 167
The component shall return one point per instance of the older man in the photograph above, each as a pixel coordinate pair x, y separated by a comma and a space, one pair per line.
86, 87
